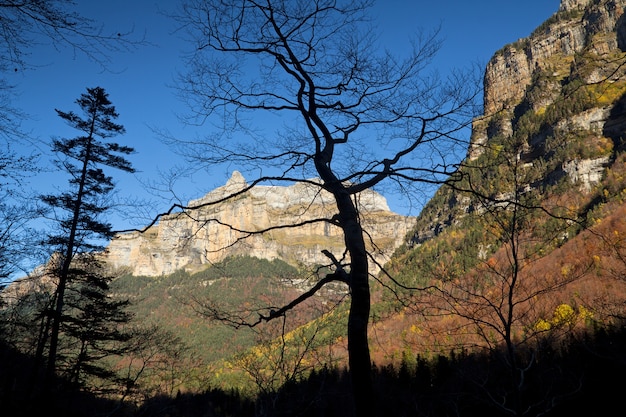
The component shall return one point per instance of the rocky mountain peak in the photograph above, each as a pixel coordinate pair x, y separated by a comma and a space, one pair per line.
216, 227
573, 28
567, 5
236, 181
573, 4
528, 75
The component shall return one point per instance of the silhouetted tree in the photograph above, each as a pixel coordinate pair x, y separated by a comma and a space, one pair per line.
79, 215
506, 299
356, 117
92, 324
24, 25
156, 363
16, 238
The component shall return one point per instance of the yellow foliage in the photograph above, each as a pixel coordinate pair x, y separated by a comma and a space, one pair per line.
543, 325
584, 313
608, 93
564, 314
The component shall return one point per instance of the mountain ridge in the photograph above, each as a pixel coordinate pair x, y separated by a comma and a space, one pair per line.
212, 229
566, 117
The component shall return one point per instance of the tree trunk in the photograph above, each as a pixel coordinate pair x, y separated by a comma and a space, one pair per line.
358, 345
67, 260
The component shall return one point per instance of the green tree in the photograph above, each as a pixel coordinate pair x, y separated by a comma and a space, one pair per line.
93, 322
79, 211
355, 117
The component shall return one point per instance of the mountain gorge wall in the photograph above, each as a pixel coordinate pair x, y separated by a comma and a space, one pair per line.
216, 229
561, 92
583, 42
531, 73
579, 24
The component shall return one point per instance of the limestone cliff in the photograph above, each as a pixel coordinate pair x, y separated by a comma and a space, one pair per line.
531, 73
579, 25
214, 230
561, 92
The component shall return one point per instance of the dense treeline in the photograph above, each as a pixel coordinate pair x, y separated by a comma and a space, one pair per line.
581, 372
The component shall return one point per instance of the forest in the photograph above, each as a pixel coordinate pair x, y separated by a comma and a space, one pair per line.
507, 298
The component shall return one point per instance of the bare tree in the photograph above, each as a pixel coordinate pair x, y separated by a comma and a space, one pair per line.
505, 303
155, 363
280, 357
15, 235
30, 22
26, 23
354, 115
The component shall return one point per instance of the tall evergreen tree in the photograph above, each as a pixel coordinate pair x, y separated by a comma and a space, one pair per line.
80, 210
91, 325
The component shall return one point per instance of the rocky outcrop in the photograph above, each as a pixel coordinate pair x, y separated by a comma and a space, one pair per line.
213, 229
573, 28
561, 94
584, 41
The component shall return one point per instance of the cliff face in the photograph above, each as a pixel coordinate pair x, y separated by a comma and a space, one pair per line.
561, 92
543, 63
578, 25
193, 239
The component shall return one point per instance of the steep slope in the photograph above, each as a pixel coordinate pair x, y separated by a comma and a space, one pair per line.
532, 225
535, 217
551, 141
559, 94
551, 138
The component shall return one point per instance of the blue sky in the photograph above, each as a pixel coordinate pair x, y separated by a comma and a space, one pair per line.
139, 82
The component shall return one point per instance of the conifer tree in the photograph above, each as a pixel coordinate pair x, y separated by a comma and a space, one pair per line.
79, 213
91, 323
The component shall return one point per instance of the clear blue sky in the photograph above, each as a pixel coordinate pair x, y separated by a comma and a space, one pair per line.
139, 82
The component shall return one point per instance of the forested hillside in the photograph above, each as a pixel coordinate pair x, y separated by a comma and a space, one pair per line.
508, 297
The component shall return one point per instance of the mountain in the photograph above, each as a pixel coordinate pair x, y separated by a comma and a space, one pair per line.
526, 243
549, 149
561, 92
216, 229
529, 233
548, 153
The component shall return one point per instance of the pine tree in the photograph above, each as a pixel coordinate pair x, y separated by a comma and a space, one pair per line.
92, 321
79, 212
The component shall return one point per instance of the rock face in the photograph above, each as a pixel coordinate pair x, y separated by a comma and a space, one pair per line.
584, 41
573, 28
565, 84
593, 27
214, 229
531, 74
